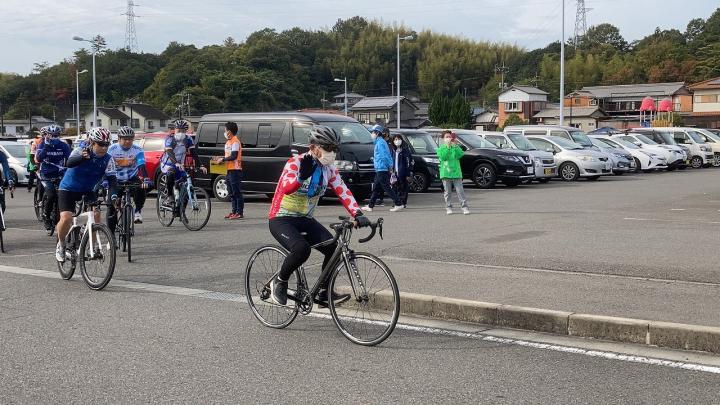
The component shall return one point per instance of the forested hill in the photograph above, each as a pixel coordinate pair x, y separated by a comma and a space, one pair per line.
295, 68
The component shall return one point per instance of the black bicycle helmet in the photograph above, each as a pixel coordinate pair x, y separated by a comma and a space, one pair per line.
126, 132
324, 136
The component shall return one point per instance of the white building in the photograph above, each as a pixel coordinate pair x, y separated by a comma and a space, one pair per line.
146, 118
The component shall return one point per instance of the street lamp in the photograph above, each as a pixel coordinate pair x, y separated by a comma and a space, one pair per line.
77, 92
344, 81
94, 50
562, 68
407, 38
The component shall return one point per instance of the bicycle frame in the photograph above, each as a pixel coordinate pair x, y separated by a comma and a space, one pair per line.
90, 216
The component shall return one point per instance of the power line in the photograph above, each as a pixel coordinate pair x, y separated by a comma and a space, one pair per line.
131, 42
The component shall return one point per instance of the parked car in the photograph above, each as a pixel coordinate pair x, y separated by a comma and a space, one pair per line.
700, 155
153, 145
645, 160
570, 133
485, 164
16, 153
545, 167
665, 139
573, 160
712, 140
270, 139
675, 156
426, 165
622, 162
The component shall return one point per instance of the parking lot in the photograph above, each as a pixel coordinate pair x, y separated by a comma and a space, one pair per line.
624, 245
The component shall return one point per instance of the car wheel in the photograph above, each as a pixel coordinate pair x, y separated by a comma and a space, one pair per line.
544, 180
419, 183
696, 162
593, 178
484, 176
638, 166
569, 171
220, 189
672, 168
716, 161
618, 172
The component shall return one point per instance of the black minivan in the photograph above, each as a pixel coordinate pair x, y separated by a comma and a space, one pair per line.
270, 139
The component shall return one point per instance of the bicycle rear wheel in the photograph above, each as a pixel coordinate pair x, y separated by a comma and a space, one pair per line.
371, 314
97, 267
196, 214
38, 204
261, 267
165, 213
128, 228
72, 241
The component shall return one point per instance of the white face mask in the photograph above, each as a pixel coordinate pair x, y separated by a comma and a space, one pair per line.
327, 158
397, 142
179, 136
448, 140
373, 135
227, 135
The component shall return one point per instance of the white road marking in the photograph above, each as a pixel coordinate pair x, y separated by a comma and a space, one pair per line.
677, 209
702, 221
483, 336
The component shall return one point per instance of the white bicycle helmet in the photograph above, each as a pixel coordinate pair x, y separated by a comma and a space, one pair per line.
99, 134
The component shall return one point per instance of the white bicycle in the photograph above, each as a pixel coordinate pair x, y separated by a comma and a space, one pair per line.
96, 253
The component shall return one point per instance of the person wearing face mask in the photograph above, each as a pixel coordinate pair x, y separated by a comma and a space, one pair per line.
177, 145
383, 162
449, 154
303, 182
402, 164
233, 163
51, 155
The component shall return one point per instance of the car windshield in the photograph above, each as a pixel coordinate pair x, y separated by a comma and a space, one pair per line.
521, 142
709, 136
16, 151
580, 138
645, 139
625, 144
667, 138
566, 144
696, 137
600, 144
350, 132
475, 141
422, 143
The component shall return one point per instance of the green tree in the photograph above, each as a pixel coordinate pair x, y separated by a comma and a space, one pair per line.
513, 119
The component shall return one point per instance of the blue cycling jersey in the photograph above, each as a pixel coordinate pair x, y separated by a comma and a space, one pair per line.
84, 177
127, 161
52, 156
5, 167
179, 149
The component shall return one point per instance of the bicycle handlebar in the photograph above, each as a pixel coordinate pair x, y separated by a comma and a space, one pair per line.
348, 222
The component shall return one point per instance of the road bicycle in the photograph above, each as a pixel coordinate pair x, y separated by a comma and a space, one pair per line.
55, 215
125, 213
2, 215
92, 245
191, 204
367, 318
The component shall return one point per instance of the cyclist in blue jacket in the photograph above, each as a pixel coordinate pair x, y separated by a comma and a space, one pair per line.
51, 153
86, 168
6, 173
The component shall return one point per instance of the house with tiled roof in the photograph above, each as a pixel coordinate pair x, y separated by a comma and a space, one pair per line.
383, 110
108, 117
525, 101
706, 104
144, 117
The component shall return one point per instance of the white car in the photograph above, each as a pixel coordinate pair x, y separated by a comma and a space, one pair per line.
647, 144
712, 140
645, 160
16, 153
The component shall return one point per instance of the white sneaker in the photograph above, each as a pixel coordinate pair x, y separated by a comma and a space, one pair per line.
448, 211
466, 211
138, 218
60, 252
397, 208
366, 208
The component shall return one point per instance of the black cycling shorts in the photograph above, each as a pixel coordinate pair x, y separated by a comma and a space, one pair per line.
67, 199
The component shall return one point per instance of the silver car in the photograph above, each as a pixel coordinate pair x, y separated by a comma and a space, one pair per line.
16, 153
622, 161
573, 160
545, 167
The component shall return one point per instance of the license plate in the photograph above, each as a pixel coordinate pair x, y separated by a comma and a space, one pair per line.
607, 166
531, 169
548, 171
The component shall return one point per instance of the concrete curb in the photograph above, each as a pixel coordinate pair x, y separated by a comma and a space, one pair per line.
626, 330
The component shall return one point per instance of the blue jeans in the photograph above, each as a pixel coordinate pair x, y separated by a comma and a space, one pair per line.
234, 183
382, 180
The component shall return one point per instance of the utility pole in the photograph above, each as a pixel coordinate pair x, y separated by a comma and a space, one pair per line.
580, 22
131, 42
562, 67
502, 69
2, 120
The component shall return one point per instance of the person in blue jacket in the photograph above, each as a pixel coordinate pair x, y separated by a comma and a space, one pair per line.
383, 162
8, 177
51, 153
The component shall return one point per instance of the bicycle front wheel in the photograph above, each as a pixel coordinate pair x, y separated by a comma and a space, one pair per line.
261, 268
97, 264
165, 212
67, 267
128, 228
195, 209
37, 203
371, 313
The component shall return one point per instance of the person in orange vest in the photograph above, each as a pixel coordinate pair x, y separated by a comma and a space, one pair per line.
233, 163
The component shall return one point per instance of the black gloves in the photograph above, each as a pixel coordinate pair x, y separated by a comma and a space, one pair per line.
362, 220
306, 167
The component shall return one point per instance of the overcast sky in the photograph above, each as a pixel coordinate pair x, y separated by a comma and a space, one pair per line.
42, 30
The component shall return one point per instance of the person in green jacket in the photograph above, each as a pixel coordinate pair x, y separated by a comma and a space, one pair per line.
449, 154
